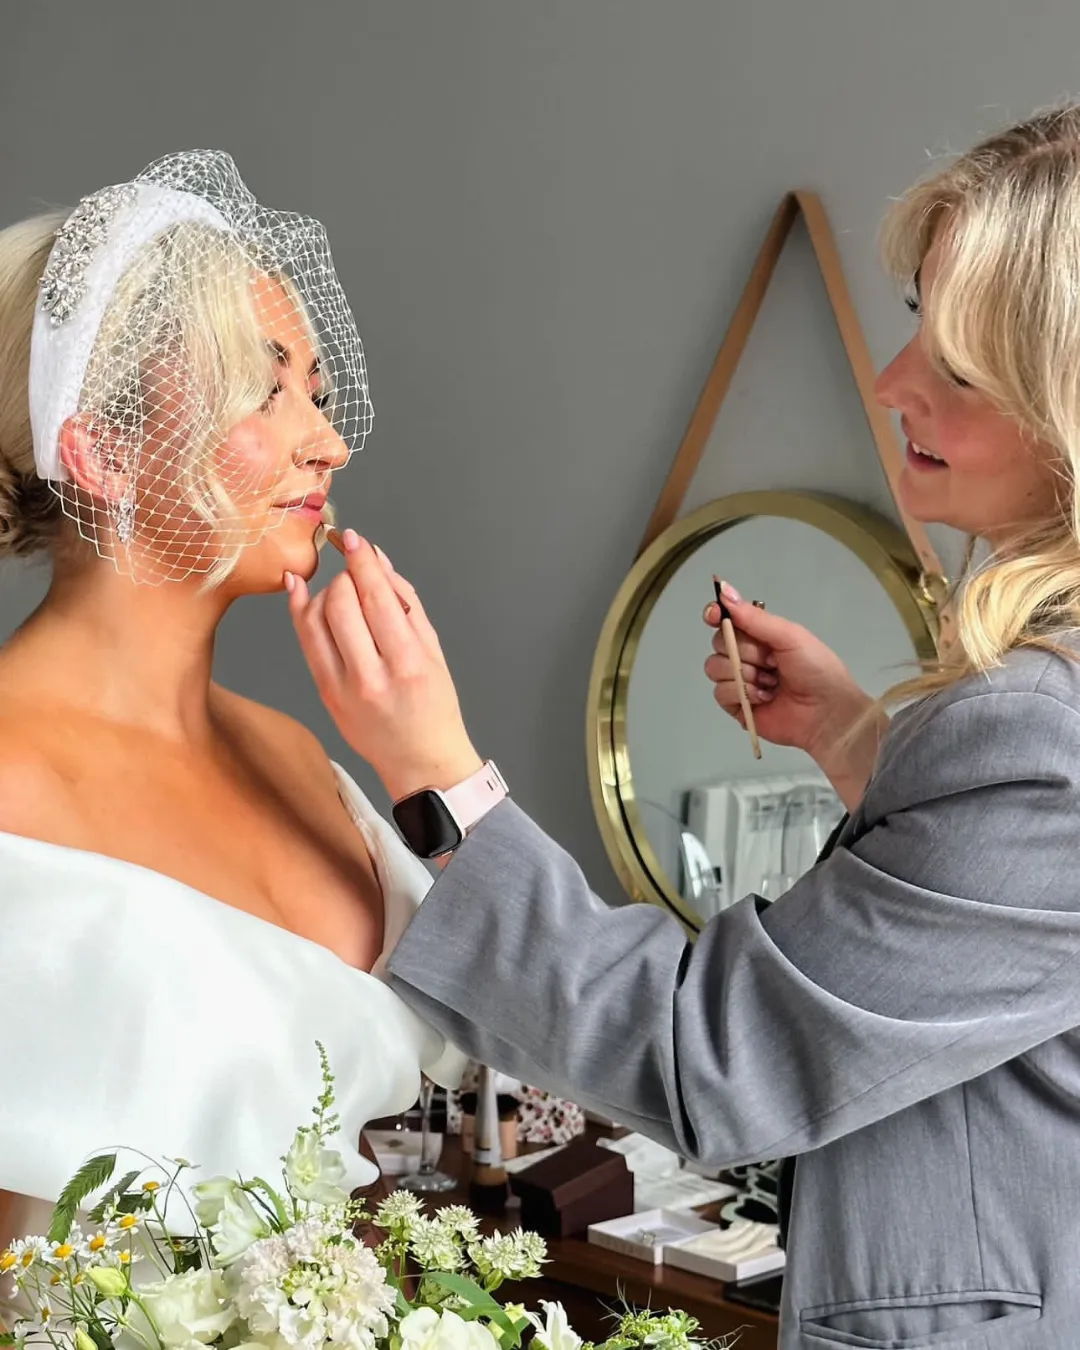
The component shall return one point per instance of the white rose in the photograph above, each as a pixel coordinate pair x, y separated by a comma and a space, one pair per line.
187, 1308
313, 1172
425, 1329
556, 1333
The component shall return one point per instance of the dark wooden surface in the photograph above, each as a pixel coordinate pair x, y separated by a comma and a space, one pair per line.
592, 1282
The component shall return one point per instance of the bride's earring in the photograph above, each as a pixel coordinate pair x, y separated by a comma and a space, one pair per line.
125, 518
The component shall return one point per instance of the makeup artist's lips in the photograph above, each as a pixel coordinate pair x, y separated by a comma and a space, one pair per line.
308, 507
923, 460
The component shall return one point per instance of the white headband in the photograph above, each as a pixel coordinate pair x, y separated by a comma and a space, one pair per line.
94, 248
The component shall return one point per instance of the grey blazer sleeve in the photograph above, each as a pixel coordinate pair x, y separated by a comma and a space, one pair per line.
940, 942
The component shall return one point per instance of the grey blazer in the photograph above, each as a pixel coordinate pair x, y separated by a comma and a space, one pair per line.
906, 1019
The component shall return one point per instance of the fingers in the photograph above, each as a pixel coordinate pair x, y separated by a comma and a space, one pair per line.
347, 627
726, 694
772, 632
316, 642
380, 604
422, 625
753, 653
718, 667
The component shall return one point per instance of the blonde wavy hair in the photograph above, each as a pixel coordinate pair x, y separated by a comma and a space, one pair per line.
1004, 316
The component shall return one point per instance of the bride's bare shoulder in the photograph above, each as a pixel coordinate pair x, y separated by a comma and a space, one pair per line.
33, 786
275, 736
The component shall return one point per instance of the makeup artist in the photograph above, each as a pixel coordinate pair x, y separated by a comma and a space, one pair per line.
907, 1017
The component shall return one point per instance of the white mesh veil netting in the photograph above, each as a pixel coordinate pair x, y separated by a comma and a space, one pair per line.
196, 372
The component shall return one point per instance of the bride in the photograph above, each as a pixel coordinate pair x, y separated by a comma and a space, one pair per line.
192, 895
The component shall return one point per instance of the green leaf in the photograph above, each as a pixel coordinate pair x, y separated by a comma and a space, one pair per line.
99, 1336
257, 1184
480, 1302
90, 1177
403, 1305
97, 1214
6, 1338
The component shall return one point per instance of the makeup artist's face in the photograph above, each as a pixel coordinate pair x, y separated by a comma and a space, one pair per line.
966, 465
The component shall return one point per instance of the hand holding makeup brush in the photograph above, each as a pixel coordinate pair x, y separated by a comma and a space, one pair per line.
801, 694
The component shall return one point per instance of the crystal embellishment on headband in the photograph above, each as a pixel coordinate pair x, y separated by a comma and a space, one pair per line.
63, 283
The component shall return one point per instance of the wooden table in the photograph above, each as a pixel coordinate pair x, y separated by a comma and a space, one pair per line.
591, 1281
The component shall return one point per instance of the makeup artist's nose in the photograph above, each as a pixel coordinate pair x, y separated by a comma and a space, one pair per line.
899, 386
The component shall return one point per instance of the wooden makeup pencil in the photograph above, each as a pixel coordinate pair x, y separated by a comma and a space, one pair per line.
731, 646
333, 536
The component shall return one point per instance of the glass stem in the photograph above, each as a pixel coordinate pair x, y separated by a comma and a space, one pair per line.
426, 1091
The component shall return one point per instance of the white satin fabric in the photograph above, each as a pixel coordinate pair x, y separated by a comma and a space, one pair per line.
143, 1013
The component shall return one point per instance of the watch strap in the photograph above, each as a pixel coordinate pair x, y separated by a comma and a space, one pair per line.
471, 800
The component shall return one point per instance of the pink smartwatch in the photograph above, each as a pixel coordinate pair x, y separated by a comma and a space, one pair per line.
434, 823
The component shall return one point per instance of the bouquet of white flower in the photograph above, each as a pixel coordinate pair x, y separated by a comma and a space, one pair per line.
264, 1268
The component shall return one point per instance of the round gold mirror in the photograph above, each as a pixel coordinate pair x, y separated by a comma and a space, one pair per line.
689, 818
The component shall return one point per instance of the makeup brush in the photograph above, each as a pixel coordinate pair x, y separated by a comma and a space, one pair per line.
333, 536
731, 645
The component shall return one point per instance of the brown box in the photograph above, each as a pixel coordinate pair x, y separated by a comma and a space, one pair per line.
581, 1184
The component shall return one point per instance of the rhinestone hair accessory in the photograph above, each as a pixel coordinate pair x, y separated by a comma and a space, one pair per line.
64, 282
196, 374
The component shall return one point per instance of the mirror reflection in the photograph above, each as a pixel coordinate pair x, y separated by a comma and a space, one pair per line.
719, 823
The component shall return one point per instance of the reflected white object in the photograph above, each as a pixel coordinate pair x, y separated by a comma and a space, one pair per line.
763, 833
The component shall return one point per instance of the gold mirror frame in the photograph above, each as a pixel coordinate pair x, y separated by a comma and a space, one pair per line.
876, 541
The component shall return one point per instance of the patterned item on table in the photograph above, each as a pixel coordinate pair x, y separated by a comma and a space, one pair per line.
542, 1117
546, 1119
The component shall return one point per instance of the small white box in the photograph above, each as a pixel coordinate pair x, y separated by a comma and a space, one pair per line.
646, 1235
398, 1151
681, 1255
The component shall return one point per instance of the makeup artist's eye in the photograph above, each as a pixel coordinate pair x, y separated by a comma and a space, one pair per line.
914, 304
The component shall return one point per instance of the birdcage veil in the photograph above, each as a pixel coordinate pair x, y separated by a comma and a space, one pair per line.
195, 366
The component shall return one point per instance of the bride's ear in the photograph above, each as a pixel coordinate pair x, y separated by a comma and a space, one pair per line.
96, 461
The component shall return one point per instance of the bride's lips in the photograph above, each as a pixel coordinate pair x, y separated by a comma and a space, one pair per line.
923, 460
309, 506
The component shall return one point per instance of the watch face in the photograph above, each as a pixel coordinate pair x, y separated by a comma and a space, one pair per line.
427, 825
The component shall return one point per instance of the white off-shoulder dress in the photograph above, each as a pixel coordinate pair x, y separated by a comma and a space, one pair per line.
138, 1011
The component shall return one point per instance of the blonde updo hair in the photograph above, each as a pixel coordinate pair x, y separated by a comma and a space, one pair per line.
30, 512
1004, 315
187, 299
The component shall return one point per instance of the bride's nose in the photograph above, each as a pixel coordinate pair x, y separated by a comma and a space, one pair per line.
323, 446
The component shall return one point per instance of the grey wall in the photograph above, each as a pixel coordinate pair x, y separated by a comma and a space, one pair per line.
544, 213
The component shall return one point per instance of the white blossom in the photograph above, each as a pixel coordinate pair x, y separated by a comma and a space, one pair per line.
210, 1197
555, 1333
313, 1172
309, 1287
22, 1255
510, 1256
459, 1219
193, 1307
434, 1246
426, 1329
238, 1227
401, 1208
